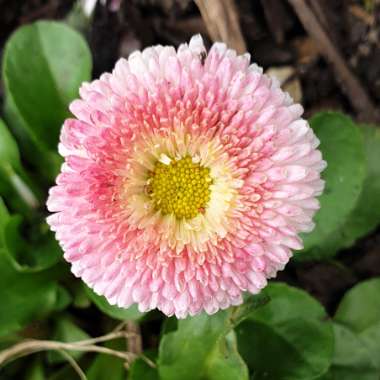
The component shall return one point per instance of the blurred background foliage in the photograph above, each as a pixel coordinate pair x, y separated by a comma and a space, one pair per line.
319, 320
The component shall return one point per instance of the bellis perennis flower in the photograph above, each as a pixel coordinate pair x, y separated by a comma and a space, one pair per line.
187, 179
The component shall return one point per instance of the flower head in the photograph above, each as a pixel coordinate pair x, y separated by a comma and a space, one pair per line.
187, 179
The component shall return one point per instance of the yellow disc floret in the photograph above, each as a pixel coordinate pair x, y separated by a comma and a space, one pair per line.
180, 187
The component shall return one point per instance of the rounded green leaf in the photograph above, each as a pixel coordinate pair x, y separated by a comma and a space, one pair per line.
360, 307
199, 349
131, 313
352, 360
371, 339
366, 215
289, 338
342, 148
359, 311
43, 65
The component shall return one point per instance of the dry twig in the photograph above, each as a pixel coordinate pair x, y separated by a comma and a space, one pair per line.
362, 14
31, 346
350, 84
74, 364
134, 340
222, 22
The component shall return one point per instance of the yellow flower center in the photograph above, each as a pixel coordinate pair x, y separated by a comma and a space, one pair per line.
180, 187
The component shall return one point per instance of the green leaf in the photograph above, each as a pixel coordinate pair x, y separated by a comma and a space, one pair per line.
66, 331
371, 339
101, 302
352, 360
343, 148
225, 361
24, 297
81, 299
14, 184
46, 162
366, 215
8, 148
287, 302
63, 299
360, 307
141, 370
251, 303
107, 366
199, 349
4, 218
35, 371
30, 256
360, 312
290, 338
65, 373
43, 65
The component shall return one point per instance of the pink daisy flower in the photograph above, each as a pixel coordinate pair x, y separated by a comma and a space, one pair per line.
187, 179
